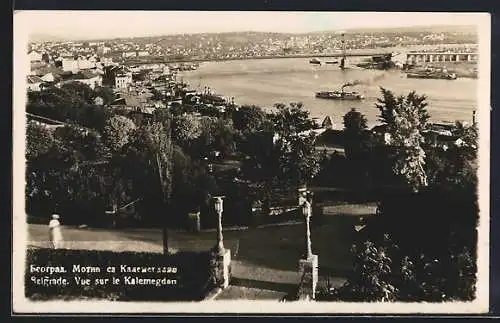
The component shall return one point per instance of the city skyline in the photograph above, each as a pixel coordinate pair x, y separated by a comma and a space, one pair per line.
94, 25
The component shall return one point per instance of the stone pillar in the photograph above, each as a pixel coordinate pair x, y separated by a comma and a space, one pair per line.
224, 261
431, 58
308, 275
469, 58
308, 266
457, 58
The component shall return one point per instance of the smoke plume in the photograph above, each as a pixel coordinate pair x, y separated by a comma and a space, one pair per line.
364, 82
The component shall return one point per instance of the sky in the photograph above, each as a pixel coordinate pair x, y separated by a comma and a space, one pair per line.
110, 24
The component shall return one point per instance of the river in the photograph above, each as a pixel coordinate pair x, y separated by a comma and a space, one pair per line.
264, 82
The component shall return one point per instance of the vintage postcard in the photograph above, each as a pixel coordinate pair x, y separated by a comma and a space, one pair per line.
251, 162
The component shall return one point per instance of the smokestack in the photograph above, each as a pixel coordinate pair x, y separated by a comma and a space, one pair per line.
474, 117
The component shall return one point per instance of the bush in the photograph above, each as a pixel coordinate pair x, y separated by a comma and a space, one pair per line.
191, 275
384, 272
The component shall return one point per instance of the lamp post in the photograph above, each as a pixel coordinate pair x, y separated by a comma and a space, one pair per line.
219, 208
306, 210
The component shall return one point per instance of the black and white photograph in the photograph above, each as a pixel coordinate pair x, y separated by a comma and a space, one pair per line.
251, 162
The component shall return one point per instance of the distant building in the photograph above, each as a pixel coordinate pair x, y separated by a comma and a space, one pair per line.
75, 65
142, 53
85, 77
69, 65
129, 54
103, 50
123, 80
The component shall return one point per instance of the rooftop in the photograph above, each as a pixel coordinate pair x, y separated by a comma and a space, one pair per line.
34, 79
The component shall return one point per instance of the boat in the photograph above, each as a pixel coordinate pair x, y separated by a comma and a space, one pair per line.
331, 62
315, 61
432, 74
339, 95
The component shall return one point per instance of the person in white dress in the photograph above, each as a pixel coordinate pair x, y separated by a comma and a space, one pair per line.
55, 233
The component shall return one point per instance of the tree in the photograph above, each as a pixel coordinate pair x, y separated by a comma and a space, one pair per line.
117, 132
354, 122
389, 103
406, 119
357, 146
106, 93
39, 139
354, 126
79, 90
291, 120
248, 118
370, 280
152, 149
185, 128
298, 160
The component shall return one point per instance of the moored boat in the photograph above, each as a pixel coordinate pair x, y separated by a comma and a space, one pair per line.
440, 74
315, 61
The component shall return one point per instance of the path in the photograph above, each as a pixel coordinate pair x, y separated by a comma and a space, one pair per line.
264, 260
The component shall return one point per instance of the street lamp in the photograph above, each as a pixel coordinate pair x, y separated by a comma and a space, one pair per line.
306, 211
219, 208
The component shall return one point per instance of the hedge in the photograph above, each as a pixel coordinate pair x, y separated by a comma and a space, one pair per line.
189, 281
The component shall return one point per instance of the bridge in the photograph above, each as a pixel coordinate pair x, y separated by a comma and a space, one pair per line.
397, 54
350, 53
429, 57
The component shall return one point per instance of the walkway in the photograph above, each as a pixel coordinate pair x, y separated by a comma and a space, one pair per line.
264, 260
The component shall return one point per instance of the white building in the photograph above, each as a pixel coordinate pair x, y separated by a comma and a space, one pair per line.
123, 80
70, 65
76, 65
129, 54
142, 53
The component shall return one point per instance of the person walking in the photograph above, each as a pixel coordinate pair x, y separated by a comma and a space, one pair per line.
55, 233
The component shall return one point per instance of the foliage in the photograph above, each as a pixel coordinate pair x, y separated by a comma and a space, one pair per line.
390, 105
248, 118
381, 272
154, 149
39, 139
357, 146
354, 122
117, 131
71, 103
298, 161
106, 93
185, 129
291, 120
216, 134
86, 144
406, 119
